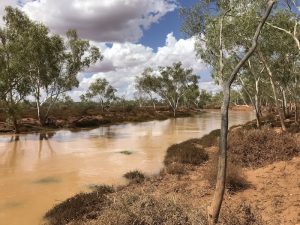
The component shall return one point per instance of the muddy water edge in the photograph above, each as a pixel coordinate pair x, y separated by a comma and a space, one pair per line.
40, 170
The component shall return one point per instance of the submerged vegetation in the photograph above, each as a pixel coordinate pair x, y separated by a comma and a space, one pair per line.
126, 152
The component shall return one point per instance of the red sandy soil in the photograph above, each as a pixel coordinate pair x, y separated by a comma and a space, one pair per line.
274, 191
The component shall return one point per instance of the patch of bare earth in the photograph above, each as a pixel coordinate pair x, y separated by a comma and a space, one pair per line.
275, 192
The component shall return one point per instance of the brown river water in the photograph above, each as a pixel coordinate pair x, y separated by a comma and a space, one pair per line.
40, 170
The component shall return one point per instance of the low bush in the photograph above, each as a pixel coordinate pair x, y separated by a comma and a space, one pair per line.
135, 176
210, 139
187, 153
257, 148
235, 177
81, 206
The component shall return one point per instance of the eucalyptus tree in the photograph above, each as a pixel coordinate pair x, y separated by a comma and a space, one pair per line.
192, 97
287, 22
173, 83
101, 91
56, 64
251, 79
145, 84
220, 43
278, 60
46, 61
14, 82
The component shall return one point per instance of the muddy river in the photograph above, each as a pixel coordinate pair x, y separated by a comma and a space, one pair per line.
40, 170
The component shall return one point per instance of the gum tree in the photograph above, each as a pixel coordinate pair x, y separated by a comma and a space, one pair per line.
220, 41
48, 62
14, 81
171, 84
102, 92
145, 83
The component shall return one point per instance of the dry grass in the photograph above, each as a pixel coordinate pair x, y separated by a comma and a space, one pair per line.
187, 153
210, 139
175, 168
257, 148
141, 209
240, 214
81, 206
235, 177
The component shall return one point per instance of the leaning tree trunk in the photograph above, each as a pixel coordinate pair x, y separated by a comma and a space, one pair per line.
215, 207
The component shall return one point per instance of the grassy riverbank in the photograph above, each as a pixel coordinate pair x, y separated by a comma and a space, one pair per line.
261, 184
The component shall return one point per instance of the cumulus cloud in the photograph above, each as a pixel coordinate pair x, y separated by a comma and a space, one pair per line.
128, 60
120, 22
3, 4
100, 20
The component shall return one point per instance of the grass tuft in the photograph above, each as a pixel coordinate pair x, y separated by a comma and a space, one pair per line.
135, 176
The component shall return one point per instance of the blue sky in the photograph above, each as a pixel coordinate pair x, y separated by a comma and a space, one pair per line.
155, 36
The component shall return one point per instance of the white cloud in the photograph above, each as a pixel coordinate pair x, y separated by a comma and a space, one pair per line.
100, 20
120, 22
210, 86
128, 60
3, 4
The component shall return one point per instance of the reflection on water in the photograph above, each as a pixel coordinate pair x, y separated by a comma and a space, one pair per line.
39, 170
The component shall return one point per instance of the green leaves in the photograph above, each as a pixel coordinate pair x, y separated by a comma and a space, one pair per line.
171, 84
102, 91
35, 62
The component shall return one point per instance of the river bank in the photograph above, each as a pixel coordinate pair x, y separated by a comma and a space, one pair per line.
92, 120
263, 161
70, 119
